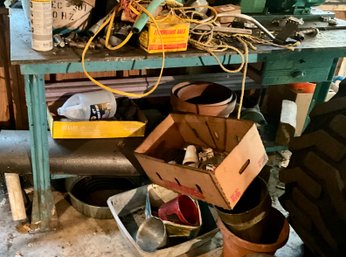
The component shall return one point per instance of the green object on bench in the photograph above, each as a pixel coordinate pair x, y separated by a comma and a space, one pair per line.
291, 6
252, 6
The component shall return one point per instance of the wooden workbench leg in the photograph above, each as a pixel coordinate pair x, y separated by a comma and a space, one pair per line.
43, 209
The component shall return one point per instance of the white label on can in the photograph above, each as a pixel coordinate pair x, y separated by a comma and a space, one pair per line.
41, 22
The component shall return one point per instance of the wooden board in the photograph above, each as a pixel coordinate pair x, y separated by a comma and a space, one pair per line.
18, 95
13, 112
6, 110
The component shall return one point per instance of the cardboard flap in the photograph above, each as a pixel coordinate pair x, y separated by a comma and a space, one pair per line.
236, 130
154, 137
245, 165
218, 133
195, 130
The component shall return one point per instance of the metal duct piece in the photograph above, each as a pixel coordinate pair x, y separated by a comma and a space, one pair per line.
81, 157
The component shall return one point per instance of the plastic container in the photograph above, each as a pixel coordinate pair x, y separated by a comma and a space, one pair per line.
97, 105
128, 211
303, 87
181, 210
156, 197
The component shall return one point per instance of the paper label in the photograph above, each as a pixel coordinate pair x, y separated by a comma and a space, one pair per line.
41, 25
100, 111
70, 16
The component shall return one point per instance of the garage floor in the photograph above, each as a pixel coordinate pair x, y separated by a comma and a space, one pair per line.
79, 236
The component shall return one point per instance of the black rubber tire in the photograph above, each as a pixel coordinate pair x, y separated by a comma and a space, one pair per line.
315, 181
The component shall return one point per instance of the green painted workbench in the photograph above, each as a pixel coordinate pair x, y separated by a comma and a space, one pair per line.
315, 60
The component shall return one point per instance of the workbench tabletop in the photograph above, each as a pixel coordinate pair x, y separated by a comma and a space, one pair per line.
22, 53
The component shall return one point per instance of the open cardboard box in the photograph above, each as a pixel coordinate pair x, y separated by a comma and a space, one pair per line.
226, 184
62, 128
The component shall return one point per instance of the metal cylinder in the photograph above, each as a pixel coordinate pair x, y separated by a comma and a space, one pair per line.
42, 25
143, 18
81, 157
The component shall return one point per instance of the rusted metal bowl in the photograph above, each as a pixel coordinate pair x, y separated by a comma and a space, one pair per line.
277, 236
89, 194
205, 98
249, 217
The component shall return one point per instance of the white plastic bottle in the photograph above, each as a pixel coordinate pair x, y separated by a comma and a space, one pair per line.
97, 105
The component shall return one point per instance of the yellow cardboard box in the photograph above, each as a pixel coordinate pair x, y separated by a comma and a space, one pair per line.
61, 128
174, 31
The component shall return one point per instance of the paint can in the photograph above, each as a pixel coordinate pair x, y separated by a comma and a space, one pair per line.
41, 25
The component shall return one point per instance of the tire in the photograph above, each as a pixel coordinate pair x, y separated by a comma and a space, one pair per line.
315, 181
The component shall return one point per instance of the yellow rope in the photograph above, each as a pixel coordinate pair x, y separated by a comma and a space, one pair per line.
205, 41
109, 21
191, 9
246, 48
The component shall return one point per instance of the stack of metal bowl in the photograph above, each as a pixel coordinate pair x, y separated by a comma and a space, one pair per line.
89, 194
204, 98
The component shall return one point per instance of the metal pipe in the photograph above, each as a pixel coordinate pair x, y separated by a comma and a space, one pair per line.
143, 19
58, 40
250, 19
81, 157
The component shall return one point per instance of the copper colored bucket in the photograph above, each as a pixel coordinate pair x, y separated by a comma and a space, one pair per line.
277, 233
204, 98
248, 219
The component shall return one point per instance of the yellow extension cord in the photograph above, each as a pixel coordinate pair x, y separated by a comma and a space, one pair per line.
208, 46
110, 21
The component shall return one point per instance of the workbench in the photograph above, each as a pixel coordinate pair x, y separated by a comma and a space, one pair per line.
315, 60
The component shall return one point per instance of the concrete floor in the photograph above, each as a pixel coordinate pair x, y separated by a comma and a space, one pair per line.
80, 236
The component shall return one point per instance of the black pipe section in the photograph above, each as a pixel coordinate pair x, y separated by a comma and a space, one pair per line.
112, 157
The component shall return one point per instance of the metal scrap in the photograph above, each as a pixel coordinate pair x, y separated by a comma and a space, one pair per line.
58, 40
311, 32
289, 30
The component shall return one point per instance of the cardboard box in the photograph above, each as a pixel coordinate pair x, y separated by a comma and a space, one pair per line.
226, 184
61, 128
175, 35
